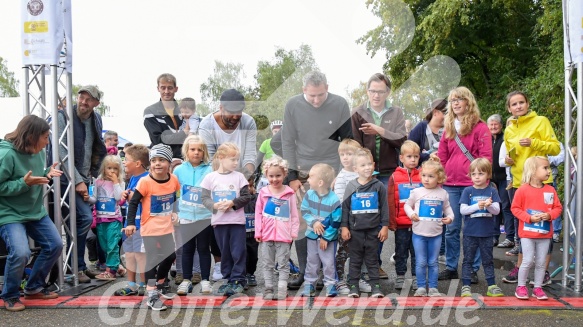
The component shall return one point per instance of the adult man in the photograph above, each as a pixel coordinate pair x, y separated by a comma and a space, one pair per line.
111, 141
162, 119
231, 124
89, 150
315, 122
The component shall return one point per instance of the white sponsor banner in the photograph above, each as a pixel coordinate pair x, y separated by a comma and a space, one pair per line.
68, 27
41, 31
575, 19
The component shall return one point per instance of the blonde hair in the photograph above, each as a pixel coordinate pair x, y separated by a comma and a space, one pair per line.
530, 166
481, 164
434, 163
112, 159
468, 120
362, 152
227, 149
325, 172
197, 140
348, 145
275, 161
410, 146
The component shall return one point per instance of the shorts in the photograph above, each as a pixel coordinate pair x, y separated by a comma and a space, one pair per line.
134, 243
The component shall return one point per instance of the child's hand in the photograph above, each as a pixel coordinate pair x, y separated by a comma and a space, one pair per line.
174, 219
446, 220
258, 239
125, 194
318, 228
546, 216
414, 217
129, 230
345, 233
225, 205
323, 244
383, 233
112, 177
488, 202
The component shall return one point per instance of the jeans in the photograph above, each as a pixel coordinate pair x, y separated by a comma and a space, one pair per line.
403, 248
426, 266
196, 236
506, 214
452, 234
46, 236
84, 220
473, 244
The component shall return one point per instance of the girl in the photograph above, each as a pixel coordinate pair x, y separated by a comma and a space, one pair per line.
225, 192
535, 204
23, 214
109, 187
276, 225
429, 208
194, 218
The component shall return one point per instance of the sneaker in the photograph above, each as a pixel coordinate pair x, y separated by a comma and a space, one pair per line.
494, 291
364, 286
126, 291
281, 294
466, 291
184, 288
420, 292
236, 288
556, 238
354, 291
309, 290
342, 288
376, 292
295, 281
106, 275
512, 277
434, 292
331, 291
44, 294
179, 278
521, 293
217, 272
496, 241
399, 282
206, 287
165, 293
446, 274
268, 294
154, 302
474, 277
83, 278
506, 244
251, 280
539, 294
196, 278
514, 251
100, 266
319, 285
141, 290
14, 304
414, 283
442, 259
383, 274
121, 271
223, 289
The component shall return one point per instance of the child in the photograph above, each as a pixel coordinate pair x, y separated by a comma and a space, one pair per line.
276, 225
225, 192
251, 245
136, 161
401, 182
195, 225
157, 194
346, 150
322, 211
429, 208
535, 204
107, 194
364, 209
479, 205
190, 120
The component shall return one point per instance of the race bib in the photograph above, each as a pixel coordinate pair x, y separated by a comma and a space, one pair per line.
276, 209
161, 205
482, 212
250, 222
431, 210
542, 227
105, 206
364, 202
219, 196
405, 191
192, 196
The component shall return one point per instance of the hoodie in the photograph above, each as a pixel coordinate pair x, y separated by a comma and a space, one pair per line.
190, 205
276, 216
357, 213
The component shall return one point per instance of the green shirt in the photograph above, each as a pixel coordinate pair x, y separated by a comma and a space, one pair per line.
266, 148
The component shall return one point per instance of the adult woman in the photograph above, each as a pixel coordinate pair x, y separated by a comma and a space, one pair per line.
22, 213
428, 132
462, 120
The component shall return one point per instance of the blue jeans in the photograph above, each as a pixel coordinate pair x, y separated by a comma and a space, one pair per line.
15, 235
426, 253
508, 218
452, 234
84, 220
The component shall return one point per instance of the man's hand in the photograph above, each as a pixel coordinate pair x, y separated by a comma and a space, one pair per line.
372, 129
296, 185
81, 189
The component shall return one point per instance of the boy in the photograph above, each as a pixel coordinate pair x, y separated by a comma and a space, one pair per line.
479, 204
364, 209
322, 211
403, 180
136, 161
190, 120
157, 194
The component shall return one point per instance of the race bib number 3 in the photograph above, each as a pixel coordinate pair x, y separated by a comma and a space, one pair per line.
192, 196
405, 191
542, 227
161, 205
431, 210
219, 196
105, 206
276, 209
364, 202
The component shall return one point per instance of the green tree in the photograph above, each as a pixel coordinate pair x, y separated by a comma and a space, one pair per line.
103, 109
225, 76
8, 84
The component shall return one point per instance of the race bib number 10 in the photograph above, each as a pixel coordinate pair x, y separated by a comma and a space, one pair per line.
192, 196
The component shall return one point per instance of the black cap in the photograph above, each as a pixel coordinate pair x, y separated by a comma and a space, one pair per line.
232, 100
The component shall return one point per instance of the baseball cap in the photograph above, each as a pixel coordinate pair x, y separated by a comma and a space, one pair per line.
232, 100
91, 89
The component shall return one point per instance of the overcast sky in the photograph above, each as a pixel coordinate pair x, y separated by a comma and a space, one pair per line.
123, 45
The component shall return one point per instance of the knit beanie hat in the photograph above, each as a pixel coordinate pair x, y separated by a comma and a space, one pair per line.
161, 151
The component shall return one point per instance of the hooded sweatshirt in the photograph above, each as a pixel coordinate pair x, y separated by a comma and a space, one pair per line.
357, 213
190, 204
276, 216
20, 203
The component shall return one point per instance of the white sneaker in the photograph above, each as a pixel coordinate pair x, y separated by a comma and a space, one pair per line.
342, 288
441, 259
217, 272
364, 286
184, 288
206, 287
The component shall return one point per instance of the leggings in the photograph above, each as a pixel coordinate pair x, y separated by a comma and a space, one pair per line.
159, 253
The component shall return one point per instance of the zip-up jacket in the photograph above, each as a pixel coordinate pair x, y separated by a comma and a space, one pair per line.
272, 227
190, 204
355, 220
325, 209
161, 128
400, 184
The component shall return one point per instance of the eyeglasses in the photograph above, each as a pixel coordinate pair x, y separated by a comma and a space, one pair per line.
456, 100
378, 92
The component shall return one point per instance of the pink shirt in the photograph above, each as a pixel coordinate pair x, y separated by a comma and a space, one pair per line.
225, 187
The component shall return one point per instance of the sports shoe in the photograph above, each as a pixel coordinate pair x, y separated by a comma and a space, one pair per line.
399, 282
442, 259
474, 278
83, 278
496, 241
154, 301
506, 244
319, 284
223, 289
512, 277
217, 272
165, 293
556, 237
466, 291
383, 274
184, 288
44, 294
281, 294
376, 292
141, 290
521, 293
546, 280
447, 274
354, 291
539, 294
268, 294
331, 291
236, 288
251, 280
126, 291
514, 251
179, 278
196, 278
14, 304
100, 266
414, 283
420, 292
206, 287
295, 281
434, 292
121, 271
309, 290
494, 291
364, 286
342, 288
106, 275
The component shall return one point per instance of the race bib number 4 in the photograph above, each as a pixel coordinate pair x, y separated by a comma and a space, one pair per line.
219, 196
276, 209
192, 196
431, 210
105, 206
364, 202
161, 205
405, 191
542, 227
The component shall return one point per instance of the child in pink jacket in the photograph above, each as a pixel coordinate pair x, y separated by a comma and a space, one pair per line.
276, 225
